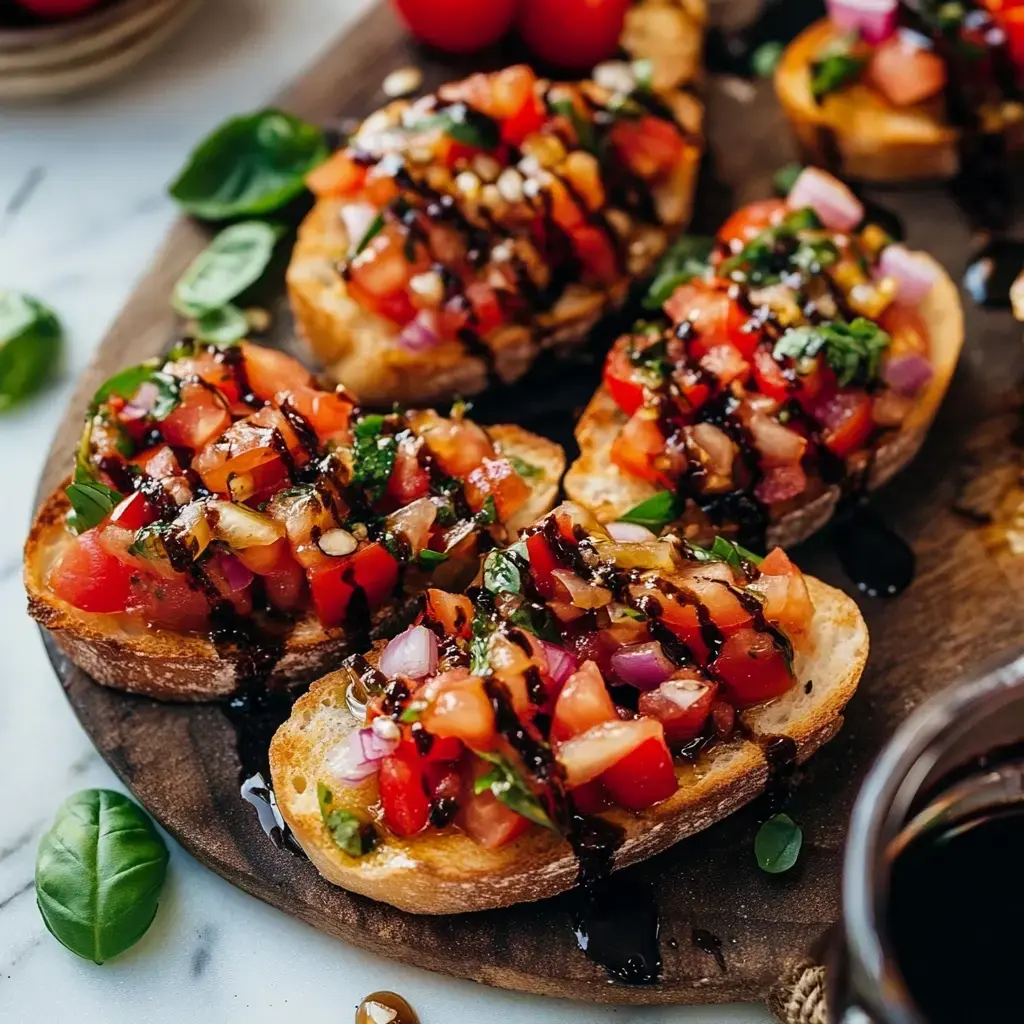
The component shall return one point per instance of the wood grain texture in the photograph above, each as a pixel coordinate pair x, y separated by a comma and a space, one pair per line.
964, 607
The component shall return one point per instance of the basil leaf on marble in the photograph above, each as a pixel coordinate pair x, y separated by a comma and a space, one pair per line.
250, 165
777, 844
31, 340
99, 873
655, 513
351, 835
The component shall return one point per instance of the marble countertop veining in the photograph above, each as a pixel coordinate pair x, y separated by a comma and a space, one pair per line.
82, 209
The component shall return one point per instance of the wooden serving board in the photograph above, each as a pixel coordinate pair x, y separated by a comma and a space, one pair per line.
964, 607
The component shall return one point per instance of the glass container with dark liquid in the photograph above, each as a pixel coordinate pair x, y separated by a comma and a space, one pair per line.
933, 885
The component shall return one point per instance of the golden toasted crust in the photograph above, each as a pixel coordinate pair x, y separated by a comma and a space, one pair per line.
447, 872
595, 482
856, 132
159, 663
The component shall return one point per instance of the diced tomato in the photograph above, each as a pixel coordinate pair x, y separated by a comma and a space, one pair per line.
637, 446
846, 419
246, 456
134, 512
1011, 17
750, 220
458, 445
496, 477
444, 749
542, 562
200, 417
814, 383
693, 387
904, 71
596, 253
459, 707
408, 480
487, 313
597, 645
643, 777
327, 412
649, 146
588, 755
269, 371
619, 379
769, 376
584, 702
527, 120
780, 483
168, 603
453, 612
340, 175
726, 363
591, 798
403, 798
334, 581
159, 462
682, 705
89, 578
787, 602
284, 580
907, 329
485, 818
716, 319
211, 367
725, 609
752, 668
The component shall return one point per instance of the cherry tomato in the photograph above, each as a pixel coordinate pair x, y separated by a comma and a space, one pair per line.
752, 668
642, 778
334, 581
408, 480
726, 363
200, 417
457, 26
458, 445
907, 329
402, 795
846, 417
648, 145
787, 602
751, 220
681, 705
459, 707
327, 412
626, 391
596, 253
572, 33
497, 478
134, 512
57, 8
89, 578
168, 603
584, 702
716, 319
269, 371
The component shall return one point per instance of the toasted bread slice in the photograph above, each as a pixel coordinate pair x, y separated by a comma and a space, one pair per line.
119, 652
595, 482
447, 872
856, 133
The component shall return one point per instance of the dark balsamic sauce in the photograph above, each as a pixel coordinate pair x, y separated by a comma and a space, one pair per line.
368, 1013
876, 558
709, 943
956, 901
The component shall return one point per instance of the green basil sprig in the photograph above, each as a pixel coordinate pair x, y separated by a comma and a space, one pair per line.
31, 340
502, 573
250, 165
685, 259
655, 513
99, 872
373, 455
91, 501
854, 350
777, 844
728, 551
527, 470
511, 789
836, 66
350, 834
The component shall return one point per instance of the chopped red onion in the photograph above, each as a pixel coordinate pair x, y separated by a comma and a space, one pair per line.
561, 664
142, 403
874, 20
913, 273
236, 575
642, 665
908, 374
420, 334
836, 206
629, 533
360, 756
412, 653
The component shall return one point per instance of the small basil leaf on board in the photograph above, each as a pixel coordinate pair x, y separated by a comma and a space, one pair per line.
233, 261
99, 872
222, 326
511, 789
686, 259
502, 574
31, 340
777, 844
350, 834
250, 165
655, 513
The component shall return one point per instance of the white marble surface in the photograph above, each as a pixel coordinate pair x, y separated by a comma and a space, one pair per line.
89, 176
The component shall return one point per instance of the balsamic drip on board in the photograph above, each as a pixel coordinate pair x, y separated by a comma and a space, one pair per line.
708, 942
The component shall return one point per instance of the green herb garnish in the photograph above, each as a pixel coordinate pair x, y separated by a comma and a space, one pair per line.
31, 340
723, 550
511, 789
481, 628
769, 253
462, 124
91, 503
488, 515
853, 350
373, 455
375, 227
580, 125
222, 326
836, 67
527, 470
502, 573
685, 259
429, 558
766, 58
351, 835
777, 844
785, 177
655, 513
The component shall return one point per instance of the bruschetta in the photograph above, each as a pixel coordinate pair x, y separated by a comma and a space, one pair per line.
229, 522
800, 352
457, 235
599, 693
892, 91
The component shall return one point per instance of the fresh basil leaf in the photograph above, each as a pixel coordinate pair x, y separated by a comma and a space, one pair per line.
127, 382
250, 165
351, 835
765, 59
99, 873
91, 503
31, 340
481, 628
375, 227
580, 125
231, 263
853, 350
463, 124
836, 67
488, 515
502, 574
785, 177
777, 844
685, 259
373, 455
428, 558
655, 513
527, 470
511, 789
534, 618
222, 326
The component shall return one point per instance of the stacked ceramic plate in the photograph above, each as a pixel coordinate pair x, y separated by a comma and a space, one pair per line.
38, 61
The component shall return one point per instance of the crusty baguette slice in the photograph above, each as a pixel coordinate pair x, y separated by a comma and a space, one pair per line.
168, 666
595, 482
856, 133
443, 873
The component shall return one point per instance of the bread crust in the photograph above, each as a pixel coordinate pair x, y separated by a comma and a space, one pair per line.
447, 872
169, 666
856, 133
595, 482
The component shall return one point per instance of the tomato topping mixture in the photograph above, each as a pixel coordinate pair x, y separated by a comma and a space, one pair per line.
471, 209
219, 481
571, 679
783, 355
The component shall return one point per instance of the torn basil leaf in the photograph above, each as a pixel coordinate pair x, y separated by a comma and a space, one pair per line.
429, 558
727, 551
527, 470
351, 835
373, 455
463, 124
31, 340
655, 513
581, 126
126, 383
685, 259
222, 326
502, 574
837, 66
488, 515
511, 789
785, 177
853, 350
777, 844
91, 503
